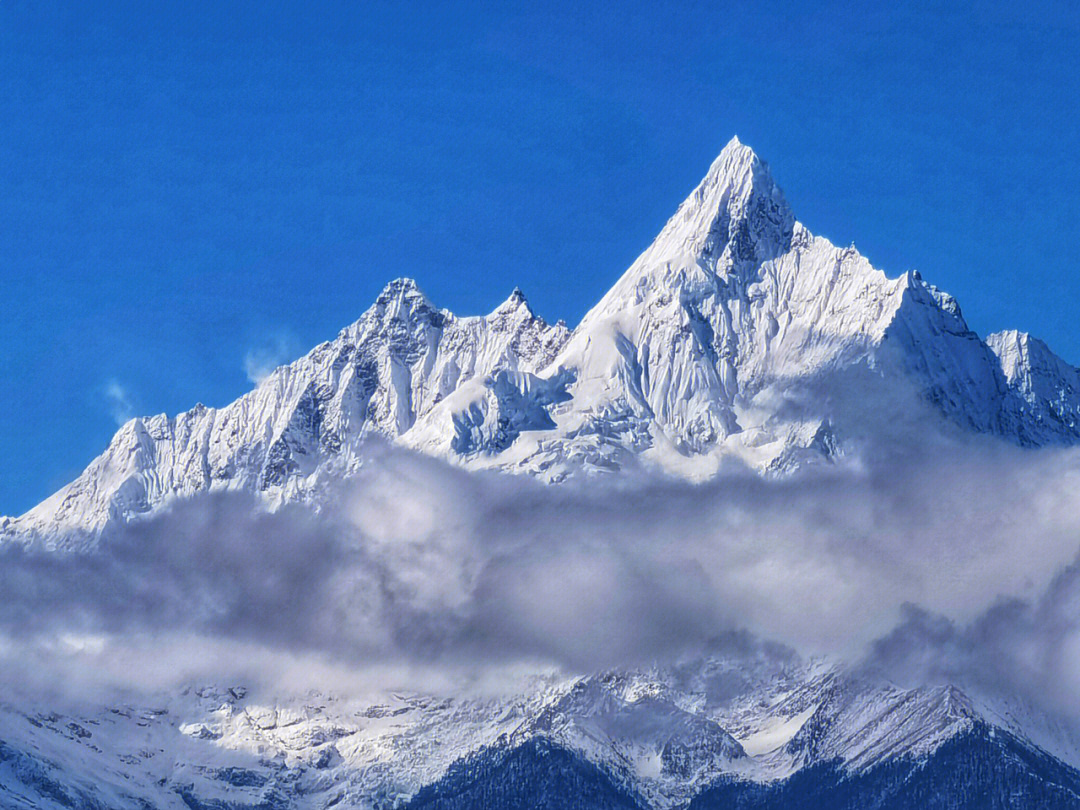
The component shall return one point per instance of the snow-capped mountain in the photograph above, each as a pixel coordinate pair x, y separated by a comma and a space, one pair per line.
657, 739
737, 334
306, 420
737, 337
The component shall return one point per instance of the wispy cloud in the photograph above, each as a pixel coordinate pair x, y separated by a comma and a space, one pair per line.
120, 402
261, 360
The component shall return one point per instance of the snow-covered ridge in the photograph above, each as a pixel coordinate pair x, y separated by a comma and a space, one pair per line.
663, 734
1046, 388
737, 334
306, 420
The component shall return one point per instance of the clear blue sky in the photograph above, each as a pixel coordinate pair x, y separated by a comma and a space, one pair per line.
181, 188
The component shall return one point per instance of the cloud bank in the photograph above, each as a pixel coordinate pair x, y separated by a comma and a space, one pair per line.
951, 566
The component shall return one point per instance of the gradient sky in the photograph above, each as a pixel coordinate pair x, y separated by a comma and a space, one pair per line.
188, 194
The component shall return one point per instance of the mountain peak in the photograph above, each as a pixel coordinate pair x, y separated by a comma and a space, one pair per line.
735, 149
402, 301
737, 168
403, 293
737, 214
400, 287
515, 302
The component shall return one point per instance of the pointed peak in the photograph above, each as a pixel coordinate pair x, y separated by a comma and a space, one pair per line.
515, 302
735, 145
402, 298
400, 286
736, 164
403, 291
737, 212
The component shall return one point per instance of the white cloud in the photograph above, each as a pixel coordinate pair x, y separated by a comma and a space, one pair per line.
120, 402
416, 563
261, 360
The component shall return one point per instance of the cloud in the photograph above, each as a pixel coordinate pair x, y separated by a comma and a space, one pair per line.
120, 402
261, 360
1026, 649
414, 565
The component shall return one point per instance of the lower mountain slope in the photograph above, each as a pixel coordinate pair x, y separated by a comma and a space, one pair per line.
536, 775
766, 732
980, 769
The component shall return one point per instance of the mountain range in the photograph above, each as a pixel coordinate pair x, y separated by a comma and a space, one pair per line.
755, 727
737, 340
736, 337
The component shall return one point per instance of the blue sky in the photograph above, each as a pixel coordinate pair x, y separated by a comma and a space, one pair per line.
188, 194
